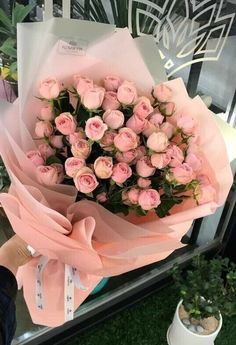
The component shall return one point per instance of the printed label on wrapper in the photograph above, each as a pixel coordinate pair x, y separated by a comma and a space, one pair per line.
72, 46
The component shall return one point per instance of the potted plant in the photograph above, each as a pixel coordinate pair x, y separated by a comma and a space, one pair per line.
8, 52
207, 291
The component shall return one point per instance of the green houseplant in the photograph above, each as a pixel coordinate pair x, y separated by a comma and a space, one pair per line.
208, 292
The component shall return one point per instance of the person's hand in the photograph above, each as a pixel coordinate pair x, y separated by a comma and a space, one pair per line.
14, 253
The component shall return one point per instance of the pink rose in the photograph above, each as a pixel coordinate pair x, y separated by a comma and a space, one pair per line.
60, 171
43, 129
149, 199
187, 123
149, 129
46, 150
93, 97
144, 167
110, 101
162, 93
65, 123
46, 113
85, 180
156, 118
183, 173
205, 193
127, 93
113, 118
57, 141
143, 182
177, 156
73, 165
126, 157
157, 142
35, 157
133, 195
143, 107
136, 123
81, 149
168, 129
112, 82
167, 109
82, 84
160, 160
194, 161
49, 88
95, 128
102, 197
140, 152
79, 134
49, 175
107, 141
126, 139
103, 167
121, 172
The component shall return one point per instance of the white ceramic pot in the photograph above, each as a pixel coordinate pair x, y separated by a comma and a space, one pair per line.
178, 334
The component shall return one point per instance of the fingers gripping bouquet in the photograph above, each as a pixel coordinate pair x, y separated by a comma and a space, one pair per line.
108, 168
124, 150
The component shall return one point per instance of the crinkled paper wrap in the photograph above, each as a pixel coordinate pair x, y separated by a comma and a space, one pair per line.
84, 235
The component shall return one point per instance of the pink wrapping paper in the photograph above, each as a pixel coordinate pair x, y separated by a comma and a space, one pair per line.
84, 235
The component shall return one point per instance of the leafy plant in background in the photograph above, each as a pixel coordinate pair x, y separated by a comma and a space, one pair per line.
208, 288
8, 52
4, 178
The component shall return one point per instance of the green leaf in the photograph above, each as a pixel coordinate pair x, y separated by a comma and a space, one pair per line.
13, 67
166, 204
5, 20
52, 159
8, 48
5, 31
20, 12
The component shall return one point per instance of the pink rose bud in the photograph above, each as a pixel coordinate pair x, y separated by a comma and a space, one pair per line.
107, 141
127, 93
79, 134
48, 175
167, 109
160, 160
157, 142
126, 157
43, 129
93, 97
102, 197
126, 139
149, 199
73, 165
35, 157
82, 84
46, 150
168, 129
156, 118
187, 123
121, 172
194, 161
183, 173
133, 195
46, 113
60, 171
143, 107
85, 180
66, 123
149, 129
110, 101
136, 123
49, 88
144, 182
162, 93
95, 128
81, 149
57, 141
144, 167
140, 152
205, 193
177, 156
112, 82
103, 167
113, 118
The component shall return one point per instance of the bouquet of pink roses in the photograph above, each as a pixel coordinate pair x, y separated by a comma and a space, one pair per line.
123, 150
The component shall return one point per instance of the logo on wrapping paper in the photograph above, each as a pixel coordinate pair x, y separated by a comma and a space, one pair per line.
72, 46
